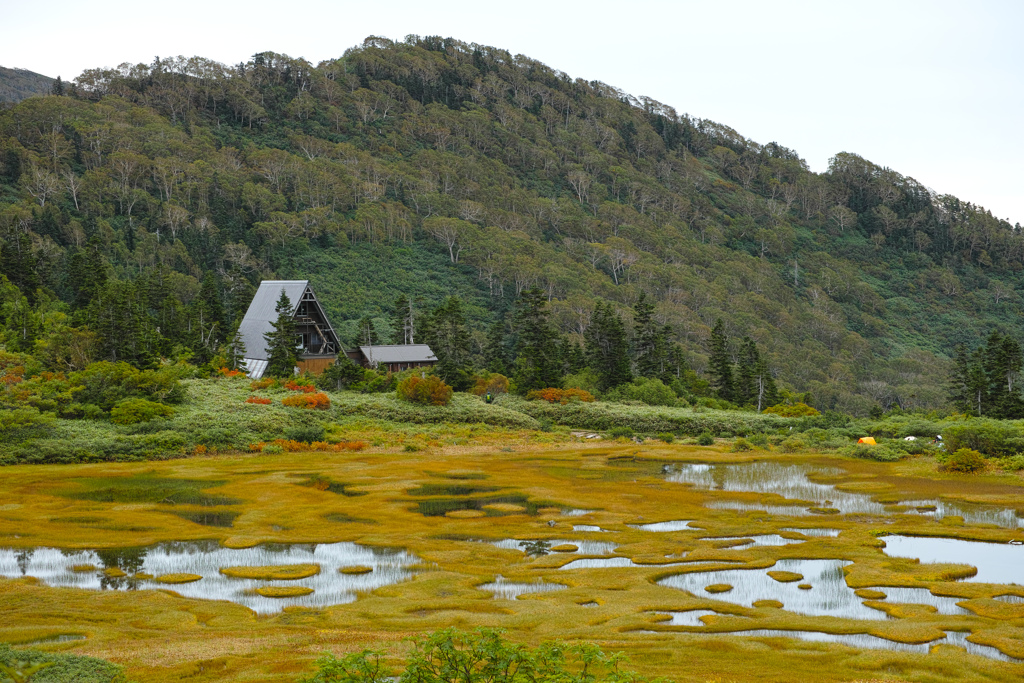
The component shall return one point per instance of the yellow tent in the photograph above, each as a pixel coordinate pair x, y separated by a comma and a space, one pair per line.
869, 440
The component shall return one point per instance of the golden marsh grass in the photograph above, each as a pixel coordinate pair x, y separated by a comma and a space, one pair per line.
158, 635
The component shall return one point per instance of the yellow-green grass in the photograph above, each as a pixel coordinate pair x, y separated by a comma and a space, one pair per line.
785, 577
159, 635
356, 569
283, 591
287, 572
177, 578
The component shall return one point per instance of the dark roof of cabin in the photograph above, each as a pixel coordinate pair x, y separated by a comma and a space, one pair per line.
399, 353
261, 315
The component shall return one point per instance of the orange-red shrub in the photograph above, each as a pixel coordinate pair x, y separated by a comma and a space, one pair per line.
563, 396
291, 446
264, 383
428, 391
298, 386
227, 372
493, 384
317, 401
259, 401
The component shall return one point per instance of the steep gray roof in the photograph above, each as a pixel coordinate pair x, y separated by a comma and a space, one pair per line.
261, 315
398, 353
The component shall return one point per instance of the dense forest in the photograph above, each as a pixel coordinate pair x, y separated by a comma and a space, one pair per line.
17, 84
140, 206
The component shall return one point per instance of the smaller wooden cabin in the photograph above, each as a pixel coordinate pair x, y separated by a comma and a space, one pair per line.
315, 337
394, 357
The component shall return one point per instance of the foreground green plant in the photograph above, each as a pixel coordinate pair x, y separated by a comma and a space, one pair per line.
453, 656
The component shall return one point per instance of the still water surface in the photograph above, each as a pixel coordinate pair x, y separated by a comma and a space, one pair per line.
53, 567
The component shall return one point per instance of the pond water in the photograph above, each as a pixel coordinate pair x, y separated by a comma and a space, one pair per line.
792, 482
755, 541
869, 642
584, 547
818, 532
690, 617
589, 527
675, 525
996, 562
829, 595
504, 589
54, 567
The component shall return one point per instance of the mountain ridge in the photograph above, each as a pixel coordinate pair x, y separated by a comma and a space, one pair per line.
857, 282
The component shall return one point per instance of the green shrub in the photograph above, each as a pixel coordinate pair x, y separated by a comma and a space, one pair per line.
963, 460
586, 379
63, 668
1015, 463
105, 384
546, 425
882, 453
667, 437
620, 432
741, 444
652, 392
705, 439
795, 410
482, 655
134, 410
273, 449
992, 438
759, 440
792, 445
305, 433
430, 390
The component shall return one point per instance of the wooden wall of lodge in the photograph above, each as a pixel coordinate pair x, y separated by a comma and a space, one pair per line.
316, 366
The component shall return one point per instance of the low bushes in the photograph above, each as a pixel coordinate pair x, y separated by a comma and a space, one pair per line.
430, 390
652, 392
317, 401
257, 400
963, 460
562, 396
990, 437
61, 667
134, 410
795, 410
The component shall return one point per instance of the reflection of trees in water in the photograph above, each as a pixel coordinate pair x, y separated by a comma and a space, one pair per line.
128, 560
23, 558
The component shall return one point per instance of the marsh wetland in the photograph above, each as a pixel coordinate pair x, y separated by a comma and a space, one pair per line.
698, 563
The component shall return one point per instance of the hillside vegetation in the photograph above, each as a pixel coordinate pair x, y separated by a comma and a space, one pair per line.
139, 210
17, 84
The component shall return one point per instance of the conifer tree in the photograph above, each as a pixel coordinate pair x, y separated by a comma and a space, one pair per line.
607, 348
720, 363
281, 344
236, 349
537, 362
403, 323
649, 341
448, 338
495, 350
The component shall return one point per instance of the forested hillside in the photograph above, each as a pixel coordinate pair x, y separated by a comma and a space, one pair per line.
17, 84
139, 210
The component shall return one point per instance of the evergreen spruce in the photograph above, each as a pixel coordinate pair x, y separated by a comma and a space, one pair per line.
537, 361
608, 348
649, 341
448, 337
720, 364
281, 340
495, 350
236, 349
403, 322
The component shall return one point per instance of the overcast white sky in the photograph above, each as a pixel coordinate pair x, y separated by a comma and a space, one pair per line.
931, 89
